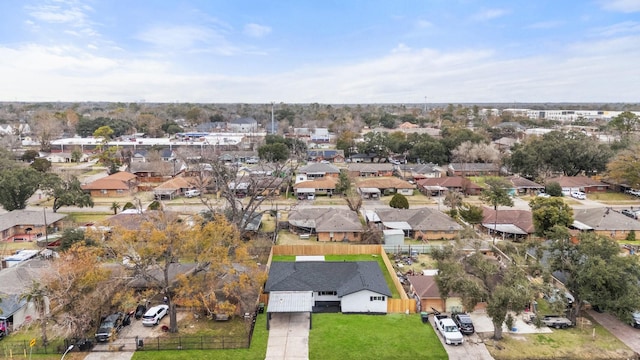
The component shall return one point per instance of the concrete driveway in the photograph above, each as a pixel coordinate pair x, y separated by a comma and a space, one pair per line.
625, 332
288, 337
473, 347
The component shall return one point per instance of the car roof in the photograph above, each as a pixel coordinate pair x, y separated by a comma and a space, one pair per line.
154, 309
113, 316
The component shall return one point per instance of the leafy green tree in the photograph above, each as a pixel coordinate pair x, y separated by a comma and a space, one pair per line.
549, 212
41, 164
155, 205
346, 141
67, 193
375, 143
388, 121
626, 122
344, 183
471, 213
625, 167
17, 185
479, 278
496, 194
399, 201
128, 206
71, 237
597, 273
115, 206
76, 155
553, 189
29, 155
278, 152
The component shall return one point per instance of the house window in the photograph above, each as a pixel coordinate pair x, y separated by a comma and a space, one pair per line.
327, 293
103, 191
376, 298
119, 191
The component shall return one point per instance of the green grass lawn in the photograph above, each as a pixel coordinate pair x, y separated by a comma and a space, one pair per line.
394, 292
394, 336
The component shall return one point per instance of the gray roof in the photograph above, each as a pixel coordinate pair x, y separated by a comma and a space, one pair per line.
319, 168
370, 167
244, 120
290, 301
18, 278
474, 167
605, 219
10, 304
421, 219
343, 277
28, 217
326, 219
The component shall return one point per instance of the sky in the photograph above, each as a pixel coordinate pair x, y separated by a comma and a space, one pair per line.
320, 51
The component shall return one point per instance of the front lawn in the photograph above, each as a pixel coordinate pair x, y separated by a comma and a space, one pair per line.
393, 336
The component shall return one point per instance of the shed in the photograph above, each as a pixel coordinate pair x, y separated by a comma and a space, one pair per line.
393, 237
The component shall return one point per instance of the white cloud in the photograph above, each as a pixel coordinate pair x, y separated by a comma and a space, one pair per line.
625, 6
627, 27
489, 14
545, 25
422, 24
603, 70
256, 30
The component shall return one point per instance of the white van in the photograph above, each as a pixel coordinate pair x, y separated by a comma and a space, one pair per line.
192, 193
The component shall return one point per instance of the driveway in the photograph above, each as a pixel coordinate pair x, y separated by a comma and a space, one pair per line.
622, 331
473, 347
288, 337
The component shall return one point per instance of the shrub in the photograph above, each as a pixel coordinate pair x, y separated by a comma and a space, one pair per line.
399, 201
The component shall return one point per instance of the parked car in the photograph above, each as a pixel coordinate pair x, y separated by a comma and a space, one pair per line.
578, 195
111, 325
448, 329
464, 323
154, 315
544, 195
192, 193
635, 319
140, 311
629, 213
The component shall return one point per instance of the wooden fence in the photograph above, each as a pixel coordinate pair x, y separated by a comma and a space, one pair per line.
402, 305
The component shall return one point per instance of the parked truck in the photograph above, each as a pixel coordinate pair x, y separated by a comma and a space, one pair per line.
448, 328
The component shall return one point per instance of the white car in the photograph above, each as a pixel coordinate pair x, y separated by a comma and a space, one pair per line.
544, 195
578, 195
154, 315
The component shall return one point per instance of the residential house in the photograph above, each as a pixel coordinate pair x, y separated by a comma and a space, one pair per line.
370, 169
509, 224
174, 187
346, 286
436, 186
417, 172
320, 135
407, 125
243, 125
64, 157
115, 185
606, 222
328, 224
420, 223
473, 169
387, 185
424, 289
248, 157
363, 158
29, 225
151, 174
314, 171
504, 143
310, 188
578, 183
330, 155
15, 312
523, 186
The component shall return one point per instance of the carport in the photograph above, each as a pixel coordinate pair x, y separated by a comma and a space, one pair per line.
290, 302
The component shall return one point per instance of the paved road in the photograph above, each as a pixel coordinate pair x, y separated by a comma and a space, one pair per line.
622, 331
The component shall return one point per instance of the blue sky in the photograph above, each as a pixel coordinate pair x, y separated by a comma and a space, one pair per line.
324, 51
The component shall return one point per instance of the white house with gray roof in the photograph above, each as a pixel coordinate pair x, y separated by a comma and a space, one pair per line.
348, 287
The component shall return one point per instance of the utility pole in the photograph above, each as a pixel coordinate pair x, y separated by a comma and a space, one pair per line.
273, 124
